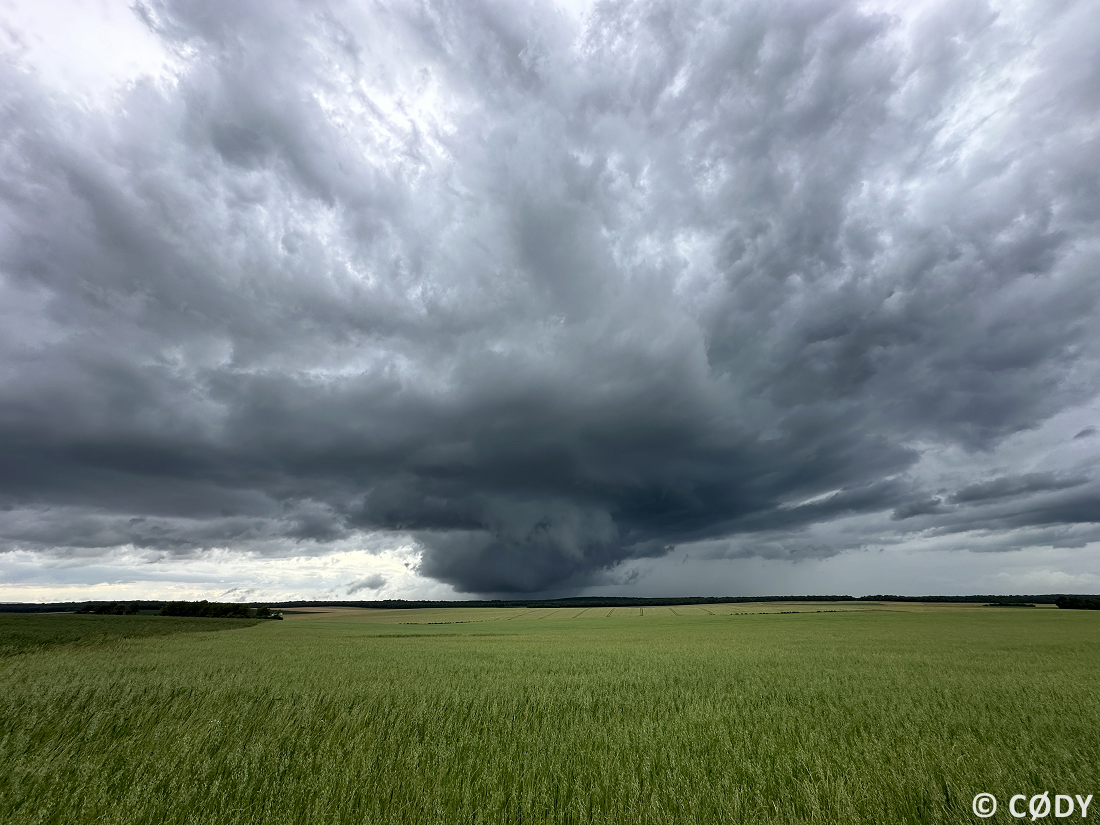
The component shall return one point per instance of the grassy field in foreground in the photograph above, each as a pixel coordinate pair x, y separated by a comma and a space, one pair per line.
24, 633
879, 714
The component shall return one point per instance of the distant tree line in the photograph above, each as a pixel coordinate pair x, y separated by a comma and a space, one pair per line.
573, 601
213, 608
998, 600
111, 608
217, 610
1078, 602
628, 601
203, 609
69, 607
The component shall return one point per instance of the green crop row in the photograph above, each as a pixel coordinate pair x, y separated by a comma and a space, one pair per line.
857, 717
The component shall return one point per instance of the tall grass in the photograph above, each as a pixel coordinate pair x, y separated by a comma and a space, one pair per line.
27, 632
857, 717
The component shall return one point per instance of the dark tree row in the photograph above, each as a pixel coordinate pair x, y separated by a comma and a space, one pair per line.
111, 608
217, 610
203, 609
1079, 602
634, 601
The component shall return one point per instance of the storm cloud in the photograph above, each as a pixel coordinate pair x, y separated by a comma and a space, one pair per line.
543, 293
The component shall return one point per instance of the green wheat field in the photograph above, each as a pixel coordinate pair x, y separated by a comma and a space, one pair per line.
865, 713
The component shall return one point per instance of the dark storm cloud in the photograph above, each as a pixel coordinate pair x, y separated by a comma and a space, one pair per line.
1007, 486
545, 297
921, 507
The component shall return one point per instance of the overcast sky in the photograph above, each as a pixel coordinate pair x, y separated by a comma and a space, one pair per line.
436, 299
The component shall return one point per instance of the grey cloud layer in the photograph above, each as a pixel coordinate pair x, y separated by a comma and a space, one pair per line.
546, 298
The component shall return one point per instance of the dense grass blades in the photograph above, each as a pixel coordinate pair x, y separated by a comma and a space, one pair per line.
23, 633
872, 715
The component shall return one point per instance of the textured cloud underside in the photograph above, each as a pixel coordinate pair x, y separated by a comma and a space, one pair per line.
545, 295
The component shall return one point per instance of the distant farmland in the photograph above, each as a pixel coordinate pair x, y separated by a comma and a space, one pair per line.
850, 712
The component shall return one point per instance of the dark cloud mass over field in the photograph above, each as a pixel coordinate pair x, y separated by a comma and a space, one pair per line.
539, 293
